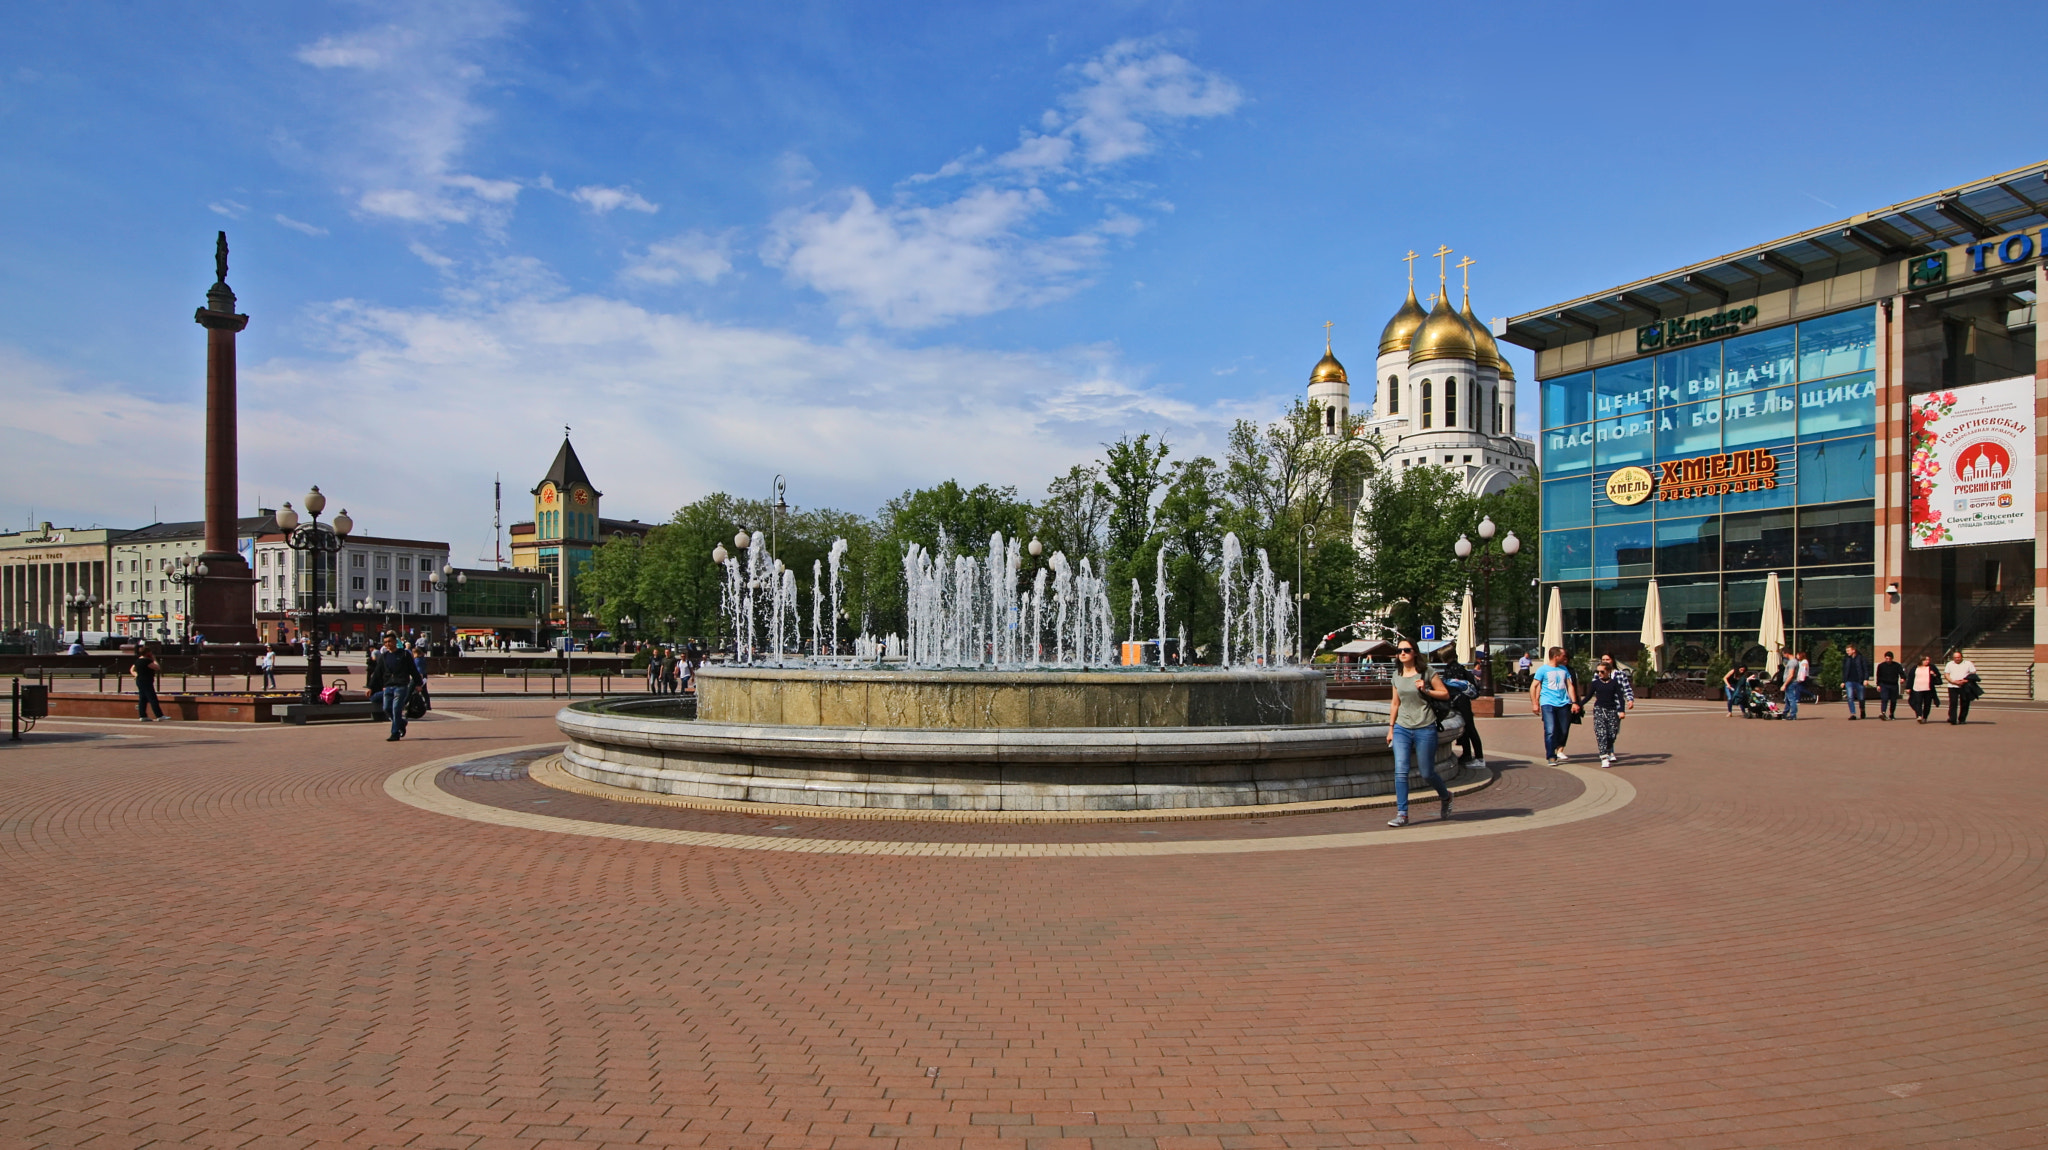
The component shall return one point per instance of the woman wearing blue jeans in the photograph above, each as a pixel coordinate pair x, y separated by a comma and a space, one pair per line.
1411, 729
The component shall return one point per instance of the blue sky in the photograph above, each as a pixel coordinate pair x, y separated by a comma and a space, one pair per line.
870, 246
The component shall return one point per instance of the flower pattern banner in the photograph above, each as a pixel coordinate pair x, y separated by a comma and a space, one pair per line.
1972, 464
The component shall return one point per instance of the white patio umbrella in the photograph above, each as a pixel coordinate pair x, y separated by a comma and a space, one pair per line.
1553, 623
1770, 634
1653, 627
1467, 630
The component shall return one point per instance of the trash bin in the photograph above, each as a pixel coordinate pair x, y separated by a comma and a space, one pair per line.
35, 701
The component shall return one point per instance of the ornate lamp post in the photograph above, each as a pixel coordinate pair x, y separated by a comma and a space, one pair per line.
1486, 562
448, 574
186, 574
81, 604
776, 513
318, 543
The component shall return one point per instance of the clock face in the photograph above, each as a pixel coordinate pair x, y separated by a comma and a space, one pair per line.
547, 493
582, 496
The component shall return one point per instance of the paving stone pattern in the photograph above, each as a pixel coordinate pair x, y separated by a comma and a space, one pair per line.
1814, 934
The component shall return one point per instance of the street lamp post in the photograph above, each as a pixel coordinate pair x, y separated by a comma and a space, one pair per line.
318, 544
448, 574
81, 604
775, 515
185, 573
1487, 562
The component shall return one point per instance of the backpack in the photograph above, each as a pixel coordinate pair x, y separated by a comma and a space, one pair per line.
333, 694
1462, 689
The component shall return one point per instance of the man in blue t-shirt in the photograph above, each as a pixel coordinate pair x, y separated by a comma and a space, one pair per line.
1553, 694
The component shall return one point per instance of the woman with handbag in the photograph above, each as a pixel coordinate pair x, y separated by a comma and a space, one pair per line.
1923, 680
1412, 728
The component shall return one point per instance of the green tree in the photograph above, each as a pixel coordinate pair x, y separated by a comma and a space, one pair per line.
1410, 527
1189, 526
1133, 471
965, 516
1513, 508
1075, 512
611, 580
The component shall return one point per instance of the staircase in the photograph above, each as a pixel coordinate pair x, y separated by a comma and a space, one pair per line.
2004, 657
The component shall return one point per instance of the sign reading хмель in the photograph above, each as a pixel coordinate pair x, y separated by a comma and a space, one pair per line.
1972, 464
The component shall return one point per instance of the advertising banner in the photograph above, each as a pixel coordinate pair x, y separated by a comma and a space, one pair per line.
1972, 463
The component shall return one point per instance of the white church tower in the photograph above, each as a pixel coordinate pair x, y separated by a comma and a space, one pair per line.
1443, 395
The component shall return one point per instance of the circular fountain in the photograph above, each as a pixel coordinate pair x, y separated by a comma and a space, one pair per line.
896, 728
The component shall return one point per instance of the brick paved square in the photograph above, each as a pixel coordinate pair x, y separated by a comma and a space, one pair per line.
1810, 934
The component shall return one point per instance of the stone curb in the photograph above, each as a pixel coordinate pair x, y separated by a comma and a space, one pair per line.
549, 773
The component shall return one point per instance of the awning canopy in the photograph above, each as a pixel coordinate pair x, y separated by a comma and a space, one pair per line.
1959, 216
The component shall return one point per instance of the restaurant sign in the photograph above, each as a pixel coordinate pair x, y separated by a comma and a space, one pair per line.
1755, 469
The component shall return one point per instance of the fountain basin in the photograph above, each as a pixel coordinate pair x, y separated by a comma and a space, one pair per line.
633, 744
969, 699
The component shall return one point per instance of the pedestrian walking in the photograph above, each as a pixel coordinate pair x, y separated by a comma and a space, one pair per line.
1732, 686
1612, 695
1889, 674
1412, 729
1464, 688
392, 674
146, 671
1923, 682
1961, 676
1855, 677
1522, 668
267, 663
1553, 694
671, 674
693, 657
1796, 671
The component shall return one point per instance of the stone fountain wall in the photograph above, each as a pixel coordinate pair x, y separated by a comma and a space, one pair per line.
982, 700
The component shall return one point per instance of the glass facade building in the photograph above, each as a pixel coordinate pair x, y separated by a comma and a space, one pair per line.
1806, 394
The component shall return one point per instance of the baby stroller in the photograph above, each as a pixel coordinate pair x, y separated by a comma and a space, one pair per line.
1756, 704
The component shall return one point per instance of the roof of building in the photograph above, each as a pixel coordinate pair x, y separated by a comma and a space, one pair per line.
627, 526
1965, 214
566, 471
265, 524
512, 573
1400, 330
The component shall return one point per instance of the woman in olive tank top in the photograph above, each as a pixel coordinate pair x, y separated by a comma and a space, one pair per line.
1411, 728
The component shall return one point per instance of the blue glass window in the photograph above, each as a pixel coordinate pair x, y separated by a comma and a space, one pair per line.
1568, 449
1758, 360
1685, 545
1753, 419
1567, 555
1692, 603
1568, 399
1622, 549
1842, 533
1778, 496
1838, 344
1689, 429
1624, 440
1836, 599
1568, 503
1689, 375
1838, 469
1836, 406
1624, 388
1618, 605
1745, 599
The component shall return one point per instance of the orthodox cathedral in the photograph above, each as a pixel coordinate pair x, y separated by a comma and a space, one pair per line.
1444, 396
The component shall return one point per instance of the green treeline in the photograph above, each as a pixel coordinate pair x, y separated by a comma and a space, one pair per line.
1286, 487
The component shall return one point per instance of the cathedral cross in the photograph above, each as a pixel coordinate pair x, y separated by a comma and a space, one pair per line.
1443, 278
1410, 258
1465, 265
1327, 325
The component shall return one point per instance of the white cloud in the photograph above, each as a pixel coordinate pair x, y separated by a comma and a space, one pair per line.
228, 208
299, 226
430, 257
914, 265
601, 199
910, 266
851, 422
1134, 86
405, 107
691, 255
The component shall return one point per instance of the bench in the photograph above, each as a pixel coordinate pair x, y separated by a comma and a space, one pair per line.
300, 714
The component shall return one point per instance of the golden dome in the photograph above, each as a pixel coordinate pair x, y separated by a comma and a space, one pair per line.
1401, 328
1328, 370
1443, 335
1482, 339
